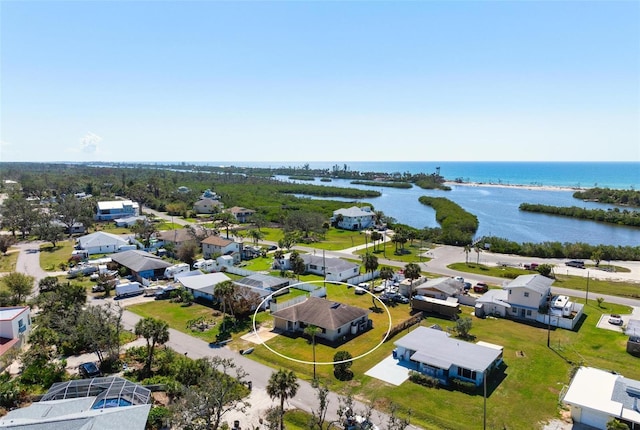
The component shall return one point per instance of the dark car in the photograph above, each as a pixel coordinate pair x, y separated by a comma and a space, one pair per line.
89, 370
575, 263
399, 298
481, 287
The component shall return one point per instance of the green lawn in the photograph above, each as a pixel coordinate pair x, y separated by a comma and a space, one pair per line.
9, 260
51, 257
596, 286
534, 374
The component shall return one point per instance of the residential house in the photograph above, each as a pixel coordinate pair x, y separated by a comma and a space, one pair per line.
434, 353
527, 295
129, 221
202, 285
440, 288
214, 246
76, 228
265, 282
177, 237
242, 215
335, 320
335, 269
143, 265
494, 302
633, 331
110, 403
354, 218
15, 324
101, 242
598, 396
207, 206
110, 210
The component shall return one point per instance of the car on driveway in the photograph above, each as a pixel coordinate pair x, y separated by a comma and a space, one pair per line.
481, 287
399, 298
615, 319
89, 370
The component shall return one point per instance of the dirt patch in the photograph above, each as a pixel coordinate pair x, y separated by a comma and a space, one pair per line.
520, 354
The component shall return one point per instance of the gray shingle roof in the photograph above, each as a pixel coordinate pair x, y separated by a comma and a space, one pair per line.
436, 348
536, 283
332, 264
322, 313
140, 261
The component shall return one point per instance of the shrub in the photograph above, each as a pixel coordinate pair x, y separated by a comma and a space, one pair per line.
464, 386
422, 379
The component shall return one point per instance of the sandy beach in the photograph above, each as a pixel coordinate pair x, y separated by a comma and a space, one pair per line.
523, 187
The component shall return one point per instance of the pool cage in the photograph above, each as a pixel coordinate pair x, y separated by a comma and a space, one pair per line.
109, 392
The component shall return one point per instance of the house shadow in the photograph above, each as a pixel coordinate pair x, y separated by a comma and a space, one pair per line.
322, 341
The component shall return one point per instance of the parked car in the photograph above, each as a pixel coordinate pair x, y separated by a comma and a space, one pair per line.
89, 370
399, 298
360, 291
379, 288
467, 286
615, 319
272, 248
481, 287
575, 263
532, 266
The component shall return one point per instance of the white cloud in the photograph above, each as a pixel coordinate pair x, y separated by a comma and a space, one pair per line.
89, 143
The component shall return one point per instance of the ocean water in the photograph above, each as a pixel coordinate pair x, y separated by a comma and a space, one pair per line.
619, 175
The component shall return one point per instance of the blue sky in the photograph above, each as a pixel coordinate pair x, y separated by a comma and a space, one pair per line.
319, 81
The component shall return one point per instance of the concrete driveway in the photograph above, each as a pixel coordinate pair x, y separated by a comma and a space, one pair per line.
390, 370
604, 323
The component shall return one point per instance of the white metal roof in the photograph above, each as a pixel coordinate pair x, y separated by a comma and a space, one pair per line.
591, 388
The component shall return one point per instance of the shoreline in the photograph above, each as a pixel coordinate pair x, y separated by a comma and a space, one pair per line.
517, 186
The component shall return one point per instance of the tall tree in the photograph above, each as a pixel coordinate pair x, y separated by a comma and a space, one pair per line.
297, 264
478, 249
71, 210
370, 262
6, 242
467, 250
375, 237
49, 231
312, 331
156, 332
19, 286
18, 214
144, 230
224, 292
412, 271
219, 390
282, 385
226, 220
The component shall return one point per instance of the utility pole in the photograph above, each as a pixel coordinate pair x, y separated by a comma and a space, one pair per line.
586, 298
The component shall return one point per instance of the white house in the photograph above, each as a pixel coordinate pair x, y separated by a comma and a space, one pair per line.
101, 242
527, 294
218, 245
440, 288
597, 396
241, 214
110, 210
354, 218
15, 324
203, 285
207, 206
435, 354
335, 269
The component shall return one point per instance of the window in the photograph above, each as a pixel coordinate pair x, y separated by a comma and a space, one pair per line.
528, 312
526, 294
21, 327
339, 329
514, 310
466, 373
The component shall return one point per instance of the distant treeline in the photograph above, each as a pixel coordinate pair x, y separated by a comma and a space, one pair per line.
383, 184
606, 195
611, 216
458, 226
561, 250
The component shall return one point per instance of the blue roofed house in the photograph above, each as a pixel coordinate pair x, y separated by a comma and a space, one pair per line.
434, 353
354, 218
110, 210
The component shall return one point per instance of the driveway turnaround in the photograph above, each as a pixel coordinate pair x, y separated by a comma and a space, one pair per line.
390, 370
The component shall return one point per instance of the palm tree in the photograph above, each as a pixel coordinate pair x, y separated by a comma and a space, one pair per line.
370, 262
224, 292
226, 220
156, 332
467, 250
412, 271
282, 385
375, 237
256, 235
478, 250
312, 331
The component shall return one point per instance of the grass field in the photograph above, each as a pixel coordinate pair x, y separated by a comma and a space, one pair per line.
9, 260
51, 257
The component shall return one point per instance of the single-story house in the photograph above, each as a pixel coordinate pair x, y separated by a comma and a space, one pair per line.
527, 295
207, 206
434, 353
335, 269
597, 396
493, 302
101, 242
129, 221
142, 264
15, 324
203, 285
335, 320
76, 228
110, 403
440, 288
218, 245
110, 210
354, 218
241, 215
265, 282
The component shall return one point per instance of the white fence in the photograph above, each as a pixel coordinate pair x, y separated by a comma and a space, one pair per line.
563, 322
363, 278
318, 292
237, 270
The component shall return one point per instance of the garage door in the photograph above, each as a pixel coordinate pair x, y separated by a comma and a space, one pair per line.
595, 419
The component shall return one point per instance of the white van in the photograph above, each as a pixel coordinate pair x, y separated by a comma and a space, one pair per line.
171, 271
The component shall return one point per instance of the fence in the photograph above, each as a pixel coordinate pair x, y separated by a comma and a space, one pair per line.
363, 278
318, 292
237, 271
